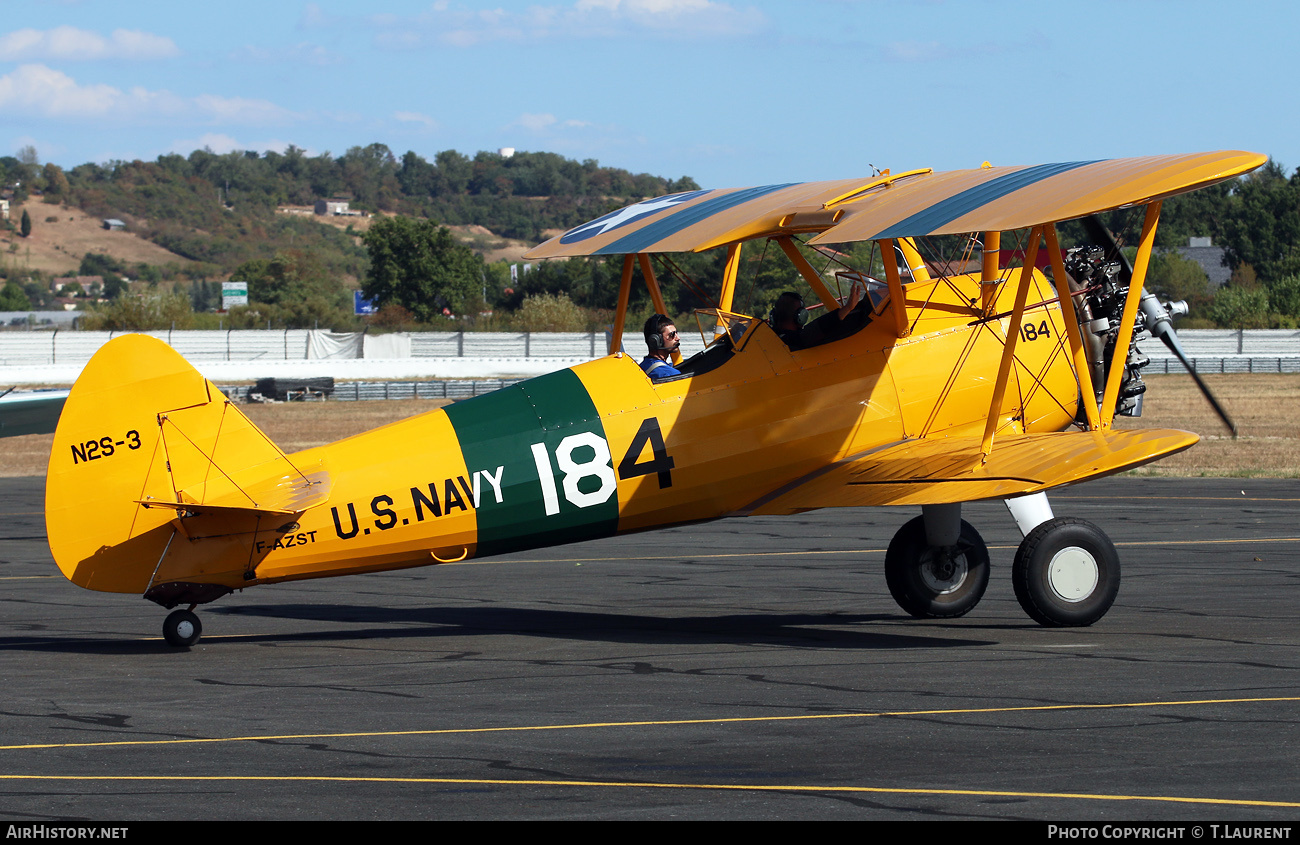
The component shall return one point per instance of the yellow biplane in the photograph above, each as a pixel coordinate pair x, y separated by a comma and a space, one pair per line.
938, 386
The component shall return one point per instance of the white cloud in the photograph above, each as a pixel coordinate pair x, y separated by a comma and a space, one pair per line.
221, 144
415, 117
536, 122
546, 122
300, 53
67, 43
457, 26
915, 51
40, 90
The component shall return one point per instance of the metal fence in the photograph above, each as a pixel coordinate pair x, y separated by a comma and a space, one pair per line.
76, 347
1213, 350
1227, 364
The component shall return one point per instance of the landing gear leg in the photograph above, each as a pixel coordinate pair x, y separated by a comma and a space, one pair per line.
1066, 573
937, 565
182, 628
1030, 511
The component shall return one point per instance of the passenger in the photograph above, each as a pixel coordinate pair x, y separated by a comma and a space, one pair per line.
789, 316
662, 341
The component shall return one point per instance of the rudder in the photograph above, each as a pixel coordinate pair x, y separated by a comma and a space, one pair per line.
146, 450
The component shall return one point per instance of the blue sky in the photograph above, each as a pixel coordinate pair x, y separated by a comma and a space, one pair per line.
731, 93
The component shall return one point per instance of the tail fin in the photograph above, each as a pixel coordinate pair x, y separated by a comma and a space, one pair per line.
147, 450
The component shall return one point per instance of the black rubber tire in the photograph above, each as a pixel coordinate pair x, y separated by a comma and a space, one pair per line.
917, 578
182, 629
1066, 573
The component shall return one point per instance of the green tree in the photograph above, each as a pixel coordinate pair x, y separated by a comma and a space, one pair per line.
1263, 228
142, 313
56, 183
550, 313
292, 276
25, 227
1239, 308
1173, 277
419, 265
1284, 296
12, 298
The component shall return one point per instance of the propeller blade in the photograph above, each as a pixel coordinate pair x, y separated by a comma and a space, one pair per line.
1176, 348
1158, 321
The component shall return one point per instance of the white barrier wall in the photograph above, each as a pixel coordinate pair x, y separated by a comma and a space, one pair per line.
73, 347
56, 357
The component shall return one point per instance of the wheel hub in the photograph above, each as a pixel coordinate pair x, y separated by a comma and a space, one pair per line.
942, 572
1073, 574
185, 629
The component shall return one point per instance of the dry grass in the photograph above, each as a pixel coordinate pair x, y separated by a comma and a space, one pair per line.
59, 247
1266, 407
301, 425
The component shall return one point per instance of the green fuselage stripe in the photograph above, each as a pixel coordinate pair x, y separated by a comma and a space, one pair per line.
498, 432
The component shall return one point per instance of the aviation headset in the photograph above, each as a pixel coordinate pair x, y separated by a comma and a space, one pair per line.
800, 315
654, 332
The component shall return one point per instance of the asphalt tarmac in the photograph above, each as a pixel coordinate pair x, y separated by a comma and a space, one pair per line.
742, 669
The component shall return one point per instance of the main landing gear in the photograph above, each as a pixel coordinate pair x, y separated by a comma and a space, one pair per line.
1066, 570
1066, 573
936, 581
182, 628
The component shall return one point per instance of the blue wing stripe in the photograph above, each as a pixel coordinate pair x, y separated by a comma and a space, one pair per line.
647, 236
958, 205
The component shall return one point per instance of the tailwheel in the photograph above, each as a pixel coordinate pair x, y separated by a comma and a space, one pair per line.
182, 629
936, 581
1066, 573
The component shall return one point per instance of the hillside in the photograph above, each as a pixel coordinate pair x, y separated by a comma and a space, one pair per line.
57, 246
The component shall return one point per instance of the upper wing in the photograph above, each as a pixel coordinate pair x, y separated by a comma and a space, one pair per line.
693, 220
941, 470
910, 204
998, 199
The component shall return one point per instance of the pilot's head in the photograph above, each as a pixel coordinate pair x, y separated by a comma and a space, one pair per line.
788, 313
661, 335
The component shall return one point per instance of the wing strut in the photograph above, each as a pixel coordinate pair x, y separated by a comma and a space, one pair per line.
990, 273
1087, 393
656, 295
897, 298
915, 263
1120, 356
809, 274
728, 292
624, 293
1009, 347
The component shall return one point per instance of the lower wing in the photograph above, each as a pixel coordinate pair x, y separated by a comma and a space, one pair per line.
941, 470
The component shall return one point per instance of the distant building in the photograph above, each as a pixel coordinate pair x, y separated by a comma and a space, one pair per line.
114, 225
1209, 257
4, 209
506, 152
335, 207
85, 281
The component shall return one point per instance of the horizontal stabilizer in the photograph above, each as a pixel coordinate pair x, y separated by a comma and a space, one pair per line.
288, 493
942, 470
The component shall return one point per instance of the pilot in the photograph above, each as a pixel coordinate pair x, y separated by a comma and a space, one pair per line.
788, 319
662, 341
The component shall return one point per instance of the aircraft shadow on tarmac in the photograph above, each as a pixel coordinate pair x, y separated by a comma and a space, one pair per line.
798, 630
